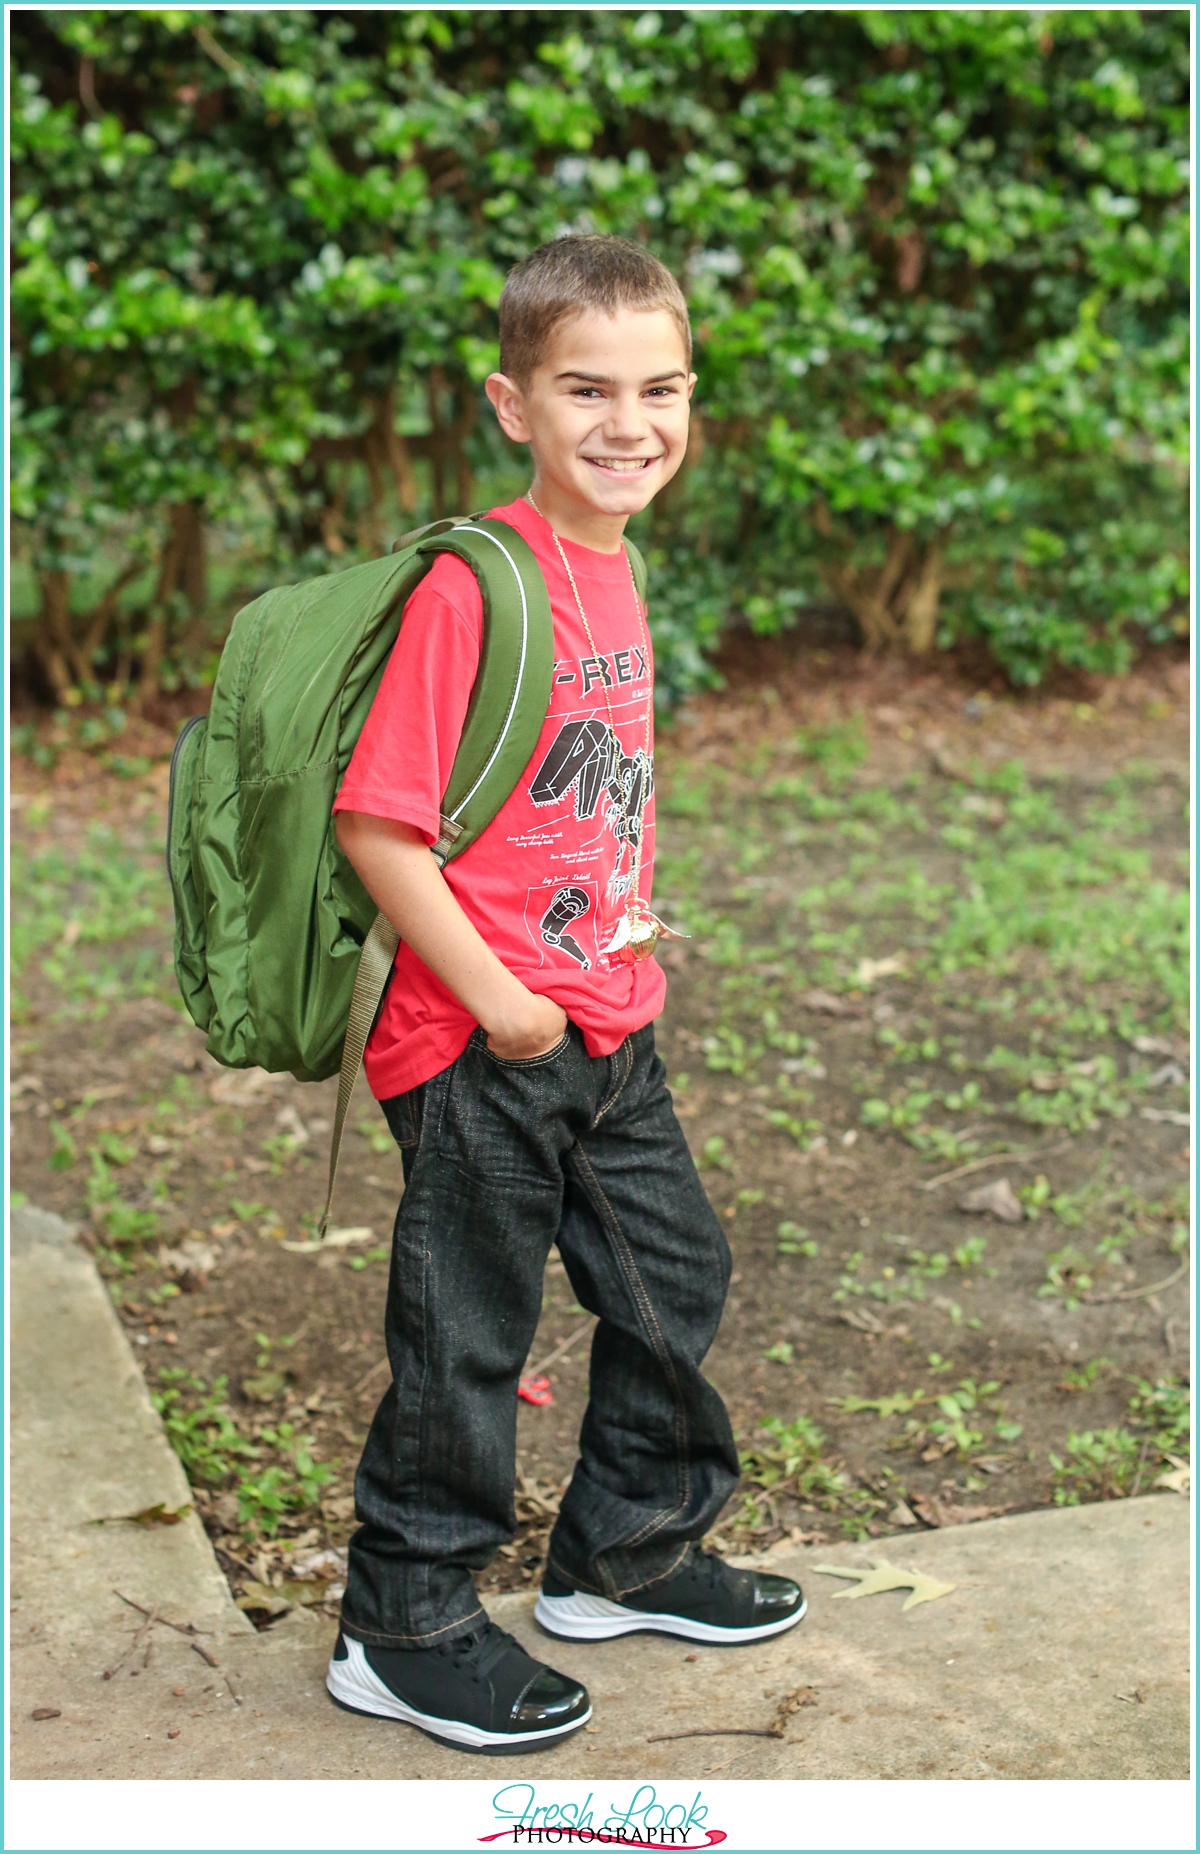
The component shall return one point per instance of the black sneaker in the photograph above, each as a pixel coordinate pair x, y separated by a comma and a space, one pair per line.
476, 1692
705, 1600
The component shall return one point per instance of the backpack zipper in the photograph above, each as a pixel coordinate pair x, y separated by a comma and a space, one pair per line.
182, 736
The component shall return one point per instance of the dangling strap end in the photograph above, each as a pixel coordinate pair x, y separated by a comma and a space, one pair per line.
370, 980
450, 833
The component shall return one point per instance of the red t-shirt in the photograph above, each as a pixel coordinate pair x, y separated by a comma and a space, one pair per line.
546, 883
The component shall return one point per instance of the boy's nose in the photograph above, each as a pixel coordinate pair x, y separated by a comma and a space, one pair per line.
626, 421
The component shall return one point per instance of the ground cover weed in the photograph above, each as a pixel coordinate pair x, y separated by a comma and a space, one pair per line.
1086, 1376
1112, 1463
714, 1154
377, 1135
201, 1429
790, 1457
794, 1239
203, 1433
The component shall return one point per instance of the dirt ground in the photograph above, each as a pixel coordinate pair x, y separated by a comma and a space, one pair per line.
936, 947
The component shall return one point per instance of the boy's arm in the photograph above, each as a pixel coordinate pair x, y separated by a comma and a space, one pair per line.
405, 883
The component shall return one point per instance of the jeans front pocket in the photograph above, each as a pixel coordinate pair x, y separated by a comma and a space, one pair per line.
403, 1115
525, 1062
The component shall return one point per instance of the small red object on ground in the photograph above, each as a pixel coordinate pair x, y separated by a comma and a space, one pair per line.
535, 1390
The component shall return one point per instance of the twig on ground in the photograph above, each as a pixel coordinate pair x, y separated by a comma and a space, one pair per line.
726, 1525
237, 1698
1026, 1156
383, 1364
139, 1636
1142, 1293
714, 1731
204, 1655
181, 1628
552, 1358
1137, 1479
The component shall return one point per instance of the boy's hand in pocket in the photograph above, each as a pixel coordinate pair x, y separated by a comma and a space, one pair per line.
535, 1031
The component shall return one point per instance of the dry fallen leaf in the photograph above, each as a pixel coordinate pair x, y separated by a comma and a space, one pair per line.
831, 1006
336, 1239
861, 1320
245, 1087
885, 1576
265, 1386
160, 1515
1179, 1478
46, 1712
803, 1696
942, 1513
262, 1596
868, 970
998, 1198
1153, 1046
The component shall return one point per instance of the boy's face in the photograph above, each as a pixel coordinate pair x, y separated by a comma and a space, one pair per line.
606, 412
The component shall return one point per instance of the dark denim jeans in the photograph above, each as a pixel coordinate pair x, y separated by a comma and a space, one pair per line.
502, 1160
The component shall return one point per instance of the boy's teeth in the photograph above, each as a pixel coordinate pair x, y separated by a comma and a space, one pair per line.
627, 464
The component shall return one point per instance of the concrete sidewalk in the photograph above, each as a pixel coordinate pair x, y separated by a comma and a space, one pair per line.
1062, 1653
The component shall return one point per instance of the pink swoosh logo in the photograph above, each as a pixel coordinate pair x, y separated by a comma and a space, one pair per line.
607, 1839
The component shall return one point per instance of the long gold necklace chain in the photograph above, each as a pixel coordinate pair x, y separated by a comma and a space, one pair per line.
640, 930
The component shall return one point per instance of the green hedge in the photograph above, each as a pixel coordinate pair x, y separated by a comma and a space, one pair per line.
937, 264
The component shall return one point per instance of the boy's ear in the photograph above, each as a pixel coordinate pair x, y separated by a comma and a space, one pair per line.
509, 403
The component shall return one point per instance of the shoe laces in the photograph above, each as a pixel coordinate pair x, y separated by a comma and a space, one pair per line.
484, 1646
704, 1566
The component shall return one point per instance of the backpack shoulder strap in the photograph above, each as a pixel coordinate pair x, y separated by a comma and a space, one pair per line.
504, 719
512, 689
640, 576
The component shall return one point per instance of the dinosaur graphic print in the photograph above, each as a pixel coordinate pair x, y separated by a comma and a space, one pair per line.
568, 906
586, 758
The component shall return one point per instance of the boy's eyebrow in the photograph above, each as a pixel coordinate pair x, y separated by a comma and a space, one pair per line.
602, 379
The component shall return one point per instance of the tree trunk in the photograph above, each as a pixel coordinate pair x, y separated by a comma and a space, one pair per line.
398, 455
99, 621
53, 646
896, 604
466, 413
921, 608
183, 568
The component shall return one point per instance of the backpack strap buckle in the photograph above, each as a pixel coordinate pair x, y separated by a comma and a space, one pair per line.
450, 834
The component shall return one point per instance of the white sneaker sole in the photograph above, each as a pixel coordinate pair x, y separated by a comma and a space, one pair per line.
584, 1618
355, 1685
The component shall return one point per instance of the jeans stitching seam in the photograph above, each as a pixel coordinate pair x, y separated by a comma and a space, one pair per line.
662, 1577
377, 1638
581, 1583
630, 1268
619, 1090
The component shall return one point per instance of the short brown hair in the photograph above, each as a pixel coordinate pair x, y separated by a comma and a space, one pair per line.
568, 277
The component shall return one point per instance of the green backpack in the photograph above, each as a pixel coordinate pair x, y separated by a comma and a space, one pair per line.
280, 953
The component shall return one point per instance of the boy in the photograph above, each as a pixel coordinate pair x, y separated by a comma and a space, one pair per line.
514, 1061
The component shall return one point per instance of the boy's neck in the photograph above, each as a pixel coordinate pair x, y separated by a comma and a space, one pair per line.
572, 520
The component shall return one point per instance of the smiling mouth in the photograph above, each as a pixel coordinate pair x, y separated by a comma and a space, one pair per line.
622, 466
